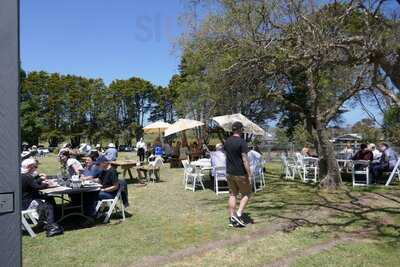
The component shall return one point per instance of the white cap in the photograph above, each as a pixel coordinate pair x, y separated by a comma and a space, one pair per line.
111, 145
26, 163
98, 146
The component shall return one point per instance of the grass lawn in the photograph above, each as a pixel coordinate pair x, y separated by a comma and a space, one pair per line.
294, 224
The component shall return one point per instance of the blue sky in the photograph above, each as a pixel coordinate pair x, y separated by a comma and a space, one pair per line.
101, 38
106, 39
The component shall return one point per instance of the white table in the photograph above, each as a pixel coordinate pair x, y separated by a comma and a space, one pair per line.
204, 164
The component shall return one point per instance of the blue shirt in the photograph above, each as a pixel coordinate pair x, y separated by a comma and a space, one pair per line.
390, 156
92, 171
158, 151
111, 154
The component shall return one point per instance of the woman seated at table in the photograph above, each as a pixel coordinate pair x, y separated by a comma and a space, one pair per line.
108, 179
184, 152
195, 151
72, 165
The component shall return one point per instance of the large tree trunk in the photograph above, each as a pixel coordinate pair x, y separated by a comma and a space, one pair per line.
331, 175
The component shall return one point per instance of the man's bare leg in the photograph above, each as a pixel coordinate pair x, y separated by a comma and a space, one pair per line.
242, 205
231, 205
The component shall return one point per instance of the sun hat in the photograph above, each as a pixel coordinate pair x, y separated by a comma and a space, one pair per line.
26, 163
111, 145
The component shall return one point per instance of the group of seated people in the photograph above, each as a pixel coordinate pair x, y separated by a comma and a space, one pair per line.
381, 160
97, 168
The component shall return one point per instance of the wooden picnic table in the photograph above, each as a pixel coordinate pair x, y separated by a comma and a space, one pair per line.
126, 166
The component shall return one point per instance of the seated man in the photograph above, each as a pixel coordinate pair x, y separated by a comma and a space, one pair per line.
386, 164
363, 154
91, 171
108, 179
31, 199
154, 167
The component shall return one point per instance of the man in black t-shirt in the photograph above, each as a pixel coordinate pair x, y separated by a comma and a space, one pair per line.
238, 174
108, 179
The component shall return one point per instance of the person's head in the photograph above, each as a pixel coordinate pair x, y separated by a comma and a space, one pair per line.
111, 145
64, 156
178, 143
34, 147
371, 147
88, 162
94, 155
363, 146
102, 162
383, 146
219, 147
98, 146
67, 145
29, 166
237, 127
348, 145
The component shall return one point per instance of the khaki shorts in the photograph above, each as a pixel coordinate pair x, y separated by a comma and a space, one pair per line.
238, 184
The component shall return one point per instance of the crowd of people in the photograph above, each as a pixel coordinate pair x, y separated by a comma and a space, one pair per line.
96, 168
380, 159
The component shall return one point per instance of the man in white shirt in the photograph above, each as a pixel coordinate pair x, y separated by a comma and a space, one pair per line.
255, 161
141, 149
218, 158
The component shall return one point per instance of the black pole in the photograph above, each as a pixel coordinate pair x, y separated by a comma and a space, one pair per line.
10, 192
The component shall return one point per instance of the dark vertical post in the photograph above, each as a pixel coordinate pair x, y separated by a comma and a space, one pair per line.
10, 221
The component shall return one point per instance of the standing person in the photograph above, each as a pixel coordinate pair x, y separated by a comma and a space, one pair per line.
184, 152
111, 153
141, 149
238, 174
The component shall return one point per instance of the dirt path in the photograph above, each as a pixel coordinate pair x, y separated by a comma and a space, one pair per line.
202, 249
288, 260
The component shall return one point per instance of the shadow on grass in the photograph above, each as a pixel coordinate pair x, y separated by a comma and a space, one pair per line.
371, 211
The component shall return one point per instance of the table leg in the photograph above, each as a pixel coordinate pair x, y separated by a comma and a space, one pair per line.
130, 174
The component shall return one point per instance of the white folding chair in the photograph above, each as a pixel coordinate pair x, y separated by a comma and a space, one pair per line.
287, 168
360, 169
112, 205
220, 176
395, 171
307, 168
33, 216
257, 177
185, 163
193, 177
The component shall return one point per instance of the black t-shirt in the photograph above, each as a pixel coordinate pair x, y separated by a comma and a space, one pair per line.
30, 189
108, 177
234, 147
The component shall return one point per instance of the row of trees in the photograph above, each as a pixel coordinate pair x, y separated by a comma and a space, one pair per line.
300, 61
58, 107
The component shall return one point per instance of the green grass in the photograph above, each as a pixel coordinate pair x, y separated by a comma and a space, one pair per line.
166, 219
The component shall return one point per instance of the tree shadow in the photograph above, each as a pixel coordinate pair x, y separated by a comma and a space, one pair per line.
373, 212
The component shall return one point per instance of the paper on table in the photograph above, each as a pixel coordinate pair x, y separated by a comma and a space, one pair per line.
55, 189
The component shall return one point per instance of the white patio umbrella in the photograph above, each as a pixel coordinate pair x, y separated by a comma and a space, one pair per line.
182, 125
156, 127
250, 127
